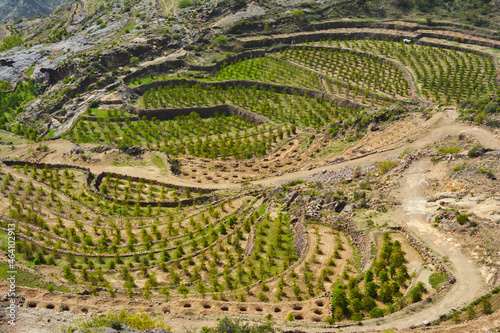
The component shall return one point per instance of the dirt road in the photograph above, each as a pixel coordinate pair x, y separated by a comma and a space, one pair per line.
439, 126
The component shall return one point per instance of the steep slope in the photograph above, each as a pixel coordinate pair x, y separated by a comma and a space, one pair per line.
10, 9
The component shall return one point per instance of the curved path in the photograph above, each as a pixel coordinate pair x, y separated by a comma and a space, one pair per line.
439, 126
468, 285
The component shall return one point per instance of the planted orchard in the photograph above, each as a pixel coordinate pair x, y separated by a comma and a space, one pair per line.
128, 189
296, 109
359, 71
444, 75
269, 70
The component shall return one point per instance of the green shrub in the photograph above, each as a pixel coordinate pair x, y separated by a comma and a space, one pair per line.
134, 61
226, 325
444, 151
290, 317
185, 3
436, 279
407, 151
221, 39
298, 14
357, 317
10, 42
386, 166
476, 150
486, 307
138, 321
376, 313
262, 297
462, 218
486, 172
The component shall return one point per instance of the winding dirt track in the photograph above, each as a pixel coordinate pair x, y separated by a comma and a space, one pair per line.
439, 126
469, 284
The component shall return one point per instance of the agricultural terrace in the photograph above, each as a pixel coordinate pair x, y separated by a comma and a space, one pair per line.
232, 250
443, 75
270, 70
293, 109
127, 189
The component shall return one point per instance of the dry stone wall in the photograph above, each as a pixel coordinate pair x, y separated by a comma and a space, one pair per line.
94, 187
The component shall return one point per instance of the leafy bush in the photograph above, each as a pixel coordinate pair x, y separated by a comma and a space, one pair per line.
376, 313
134, 61
444, 151
185, 3
138, 321
386, 166
220, 39
4, 85
405, 152
10, 42
486, 172
298, 14
226, 325
476, 150
436, 279
462, 218
486, 307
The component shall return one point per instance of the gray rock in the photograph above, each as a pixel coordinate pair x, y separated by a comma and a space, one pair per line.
347, 209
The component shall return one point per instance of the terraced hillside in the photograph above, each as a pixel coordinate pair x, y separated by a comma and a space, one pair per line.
312, 183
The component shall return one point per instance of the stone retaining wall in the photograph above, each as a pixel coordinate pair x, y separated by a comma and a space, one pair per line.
300, 238
358, 238
154, 68
297, 39
94, 187
203, 112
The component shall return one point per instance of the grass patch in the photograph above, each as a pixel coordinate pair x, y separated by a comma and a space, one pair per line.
27, 279
445, 151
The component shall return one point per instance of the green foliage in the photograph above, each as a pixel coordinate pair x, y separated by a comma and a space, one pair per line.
376, 313
440, 71
476, 150
10, 42
486, 307
405, 152
386, 166
444, 151
482, 110
487, 172
137, 320
11, 106
470, 312
220, 39
462, 219
134, 61
4, 86
270, 70
298, 14
227, 325
185, 3
27, 279
416, 292
436, 279
339, 299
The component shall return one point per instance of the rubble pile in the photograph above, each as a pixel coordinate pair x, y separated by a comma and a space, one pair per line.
343, 174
